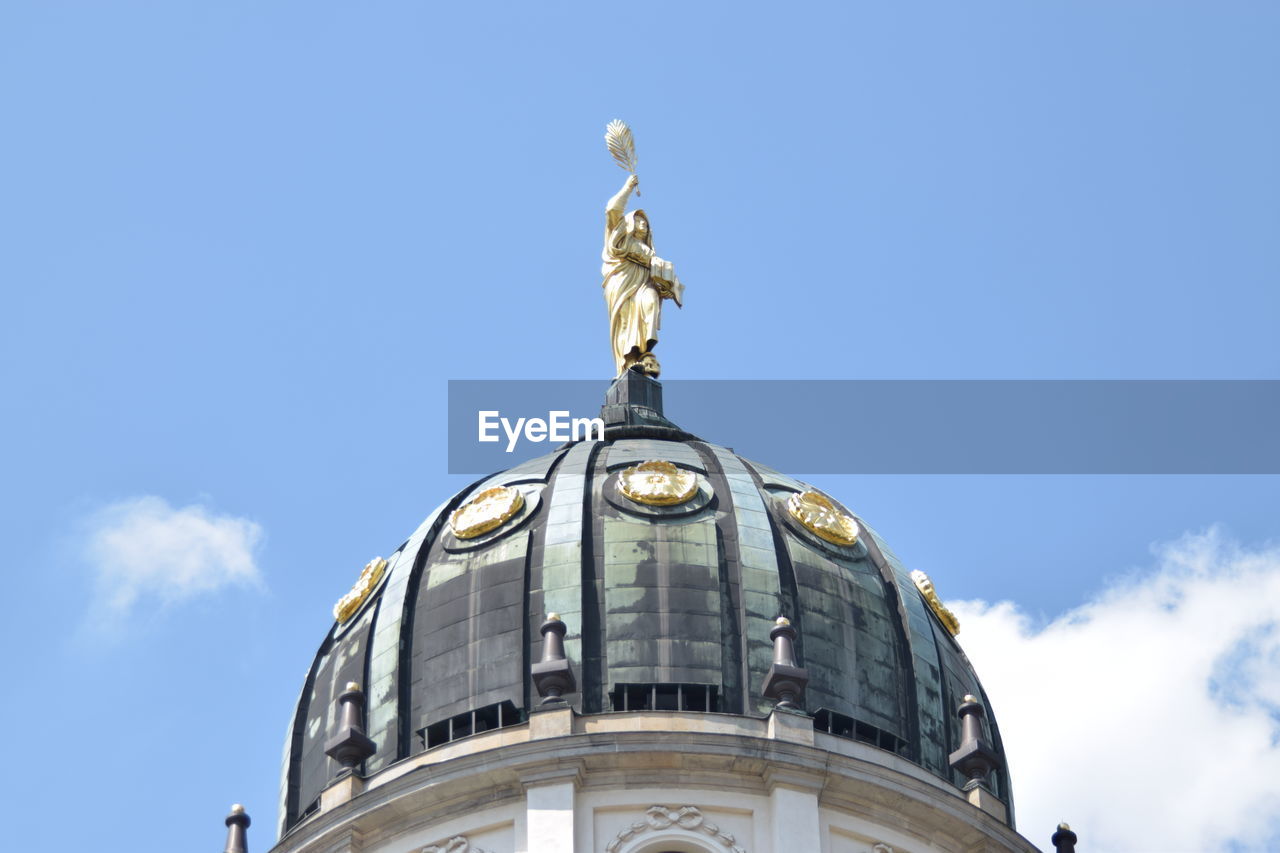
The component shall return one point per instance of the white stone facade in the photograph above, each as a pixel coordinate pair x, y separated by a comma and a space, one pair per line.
652, 782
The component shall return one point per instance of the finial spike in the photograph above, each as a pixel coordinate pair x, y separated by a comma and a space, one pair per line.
785, 681
553, 676
349, 745
237, 830
976, 757
1064, 840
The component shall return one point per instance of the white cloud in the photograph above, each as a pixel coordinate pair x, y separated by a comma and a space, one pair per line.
144, 548
1149, 718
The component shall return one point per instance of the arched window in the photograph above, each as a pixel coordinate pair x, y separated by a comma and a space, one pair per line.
674, 846
675, 841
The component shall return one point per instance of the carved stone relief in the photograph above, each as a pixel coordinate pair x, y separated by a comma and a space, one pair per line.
457, 844
658, 818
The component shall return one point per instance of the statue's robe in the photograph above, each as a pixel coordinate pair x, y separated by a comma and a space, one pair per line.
635, 281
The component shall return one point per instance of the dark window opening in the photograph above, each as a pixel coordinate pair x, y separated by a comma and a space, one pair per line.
496, 716
311, 809
841, 725
665, 697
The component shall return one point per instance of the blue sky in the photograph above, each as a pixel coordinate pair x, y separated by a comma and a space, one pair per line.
245, 246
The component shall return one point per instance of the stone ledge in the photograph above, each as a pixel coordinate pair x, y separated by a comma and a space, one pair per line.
788, 726
341, 790
551, 722
987, 801
874, 782
551, 775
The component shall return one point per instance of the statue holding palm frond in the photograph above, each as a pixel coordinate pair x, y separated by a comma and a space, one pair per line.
636, 280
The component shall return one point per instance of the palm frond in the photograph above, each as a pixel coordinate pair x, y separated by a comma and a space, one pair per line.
622, 145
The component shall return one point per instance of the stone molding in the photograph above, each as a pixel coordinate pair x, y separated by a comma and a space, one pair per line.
457, 844
567, 772
658, 818
855, 780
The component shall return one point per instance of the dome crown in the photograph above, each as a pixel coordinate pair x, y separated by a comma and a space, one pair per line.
669, 561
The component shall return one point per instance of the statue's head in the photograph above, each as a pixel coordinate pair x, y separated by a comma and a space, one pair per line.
638, 227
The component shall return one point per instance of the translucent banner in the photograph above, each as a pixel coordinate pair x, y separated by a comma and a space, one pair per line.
902, 426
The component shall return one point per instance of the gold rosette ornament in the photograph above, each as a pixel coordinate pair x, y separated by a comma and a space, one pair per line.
658, 483
487, 511
945, 616
369, 577
820, 516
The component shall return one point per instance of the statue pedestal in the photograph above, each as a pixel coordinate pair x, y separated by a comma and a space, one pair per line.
633, 409
634, 398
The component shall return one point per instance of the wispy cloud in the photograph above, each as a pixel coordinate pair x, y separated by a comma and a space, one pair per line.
1149, 718
143, 548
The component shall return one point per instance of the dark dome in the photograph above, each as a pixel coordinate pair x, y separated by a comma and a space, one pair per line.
667, 607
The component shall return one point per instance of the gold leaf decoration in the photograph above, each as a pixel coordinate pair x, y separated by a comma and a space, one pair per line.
945, 616
819, 515
369, 577
658, 483
487, 511
622, 145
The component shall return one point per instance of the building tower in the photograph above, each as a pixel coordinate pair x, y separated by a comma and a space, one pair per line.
642, 644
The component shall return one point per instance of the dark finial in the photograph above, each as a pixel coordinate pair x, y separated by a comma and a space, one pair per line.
1064, 840
975, 758
785, 681
350, 745
552, 676
237, 830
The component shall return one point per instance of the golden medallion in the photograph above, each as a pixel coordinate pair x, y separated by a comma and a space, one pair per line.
945, 616
820, 516
369, 577
487, 511
658, 483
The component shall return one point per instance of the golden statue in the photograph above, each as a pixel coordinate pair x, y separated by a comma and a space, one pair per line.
635, 279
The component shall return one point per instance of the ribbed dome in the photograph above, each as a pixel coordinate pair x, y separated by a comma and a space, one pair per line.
667, 607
